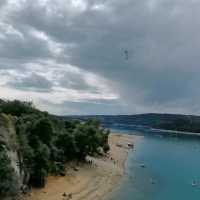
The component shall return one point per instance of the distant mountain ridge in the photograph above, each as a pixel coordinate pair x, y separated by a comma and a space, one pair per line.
175, 122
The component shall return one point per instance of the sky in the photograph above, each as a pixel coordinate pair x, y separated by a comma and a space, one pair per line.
101, 56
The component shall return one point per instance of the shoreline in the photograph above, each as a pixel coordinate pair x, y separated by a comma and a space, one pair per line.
184, 133
89, 181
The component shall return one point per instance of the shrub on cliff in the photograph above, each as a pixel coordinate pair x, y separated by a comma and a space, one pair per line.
16, 107
8, 181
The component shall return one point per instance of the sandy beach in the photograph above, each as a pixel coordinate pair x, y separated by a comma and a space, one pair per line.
89, 181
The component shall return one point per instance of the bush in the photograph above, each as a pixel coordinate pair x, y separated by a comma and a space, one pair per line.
16, 107
8, 178
43, 130
40, 165
66, 143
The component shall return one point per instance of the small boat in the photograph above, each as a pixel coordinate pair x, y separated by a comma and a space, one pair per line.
152, 181
142, 165
194, 183
130, 145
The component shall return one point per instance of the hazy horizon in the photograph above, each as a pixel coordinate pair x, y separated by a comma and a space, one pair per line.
129, 114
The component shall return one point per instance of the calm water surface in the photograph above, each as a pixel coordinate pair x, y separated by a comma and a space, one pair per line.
171, 164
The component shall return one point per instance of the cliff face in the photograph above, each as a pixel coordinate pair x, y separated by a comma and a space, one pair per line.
10, 148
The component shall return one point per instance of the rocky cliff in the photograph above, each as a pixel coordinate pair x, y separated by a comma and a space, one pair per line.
10, 155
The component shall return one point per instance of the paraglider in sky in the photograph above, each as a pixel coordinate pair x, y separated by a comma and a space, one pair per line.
126, 54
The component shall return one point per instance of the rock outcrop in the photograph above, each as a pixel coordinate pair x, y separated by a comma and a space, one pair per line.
10, 147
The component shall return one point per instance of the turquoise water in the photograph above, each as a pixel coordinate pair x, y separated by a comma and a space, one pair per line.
170, 163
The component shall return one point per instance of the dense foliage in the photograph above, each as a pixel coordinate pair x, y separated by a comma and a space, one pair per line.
47, 143
8, 182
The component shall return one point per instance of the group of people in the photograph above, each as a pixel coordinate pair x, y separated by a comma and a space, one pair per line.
67, 196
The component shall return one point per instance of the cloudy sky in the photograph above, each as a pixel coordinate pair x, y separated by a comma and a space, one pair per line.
101, 56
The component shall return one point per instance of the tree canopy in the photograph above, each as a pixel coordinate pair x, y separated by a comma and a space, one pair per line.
47, 143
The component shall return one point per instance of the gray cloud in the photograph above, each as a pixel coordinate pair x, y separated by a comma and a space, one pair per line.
161, 36
32, 82
2, 3
74, 82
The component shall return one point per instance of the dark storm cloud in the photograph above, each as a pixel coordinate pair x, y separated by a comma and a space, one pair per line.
161, 73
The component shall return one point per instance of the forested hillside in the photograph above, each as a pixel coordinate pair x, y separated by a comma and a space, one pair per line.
175, 122
34, 144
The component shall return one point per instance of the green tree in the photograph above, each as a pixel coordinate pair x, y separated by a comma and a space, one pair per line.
43, 130
40, 165
16, 107
66, 143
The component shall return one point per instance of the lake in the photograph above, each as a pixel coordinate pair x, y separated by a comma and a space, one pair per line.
171, 165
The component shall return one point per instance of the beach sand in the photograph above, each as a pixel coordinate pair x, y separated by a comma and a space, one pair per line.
93, 181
